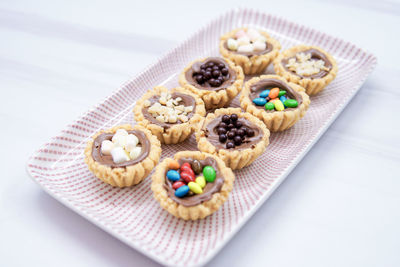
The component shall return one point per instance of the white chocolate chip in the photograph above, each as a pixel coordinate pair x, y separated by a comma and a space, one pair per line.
106, 147
160, 118
259, 46
172, 119
135, 152
243, 41
119, 155
131, 142
188, 109
232, 44
183, 118
246, 48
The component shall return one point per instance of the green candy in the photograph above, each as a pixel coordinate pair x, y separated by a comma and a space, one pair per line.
209, 174
291, 103
269, 106
282, 92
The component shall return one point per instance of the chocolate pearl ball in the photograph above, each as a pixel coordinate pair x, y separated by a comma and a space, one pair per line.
230, 145
209, 69
250, 132
223, 138
224, 71
221, 130
202, 72
234, 131
203, 66
234, 117
217, 83
240, 132
230, 126
215, 68
238, 124
244, 129
210, 64
237, 140
230, 135
222, 124
199, 78
211, 81
221, 65
226, 119
216, 73
207, 75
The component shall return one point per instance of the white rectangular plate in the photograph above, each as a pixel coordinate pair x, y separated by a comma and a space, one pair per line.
132, 214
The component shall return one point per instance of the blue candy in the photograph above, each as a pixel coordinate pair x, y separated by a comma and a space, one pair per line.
259, 101
283, 99
173, 175
182, 191
264, 94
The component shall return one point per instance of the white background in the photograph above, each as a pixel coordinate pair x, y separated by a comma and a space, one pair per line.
339, 207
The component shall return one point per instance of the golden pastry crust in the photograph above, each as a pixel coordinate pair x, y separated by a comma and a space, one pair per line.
130, 175
278, 120
255, 64
215, 99
194, 212
312, 86
177, 133
234, 159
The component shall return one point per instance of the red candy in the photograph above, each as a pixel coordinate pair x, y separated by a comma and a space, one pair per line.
187, 168
177, 184
188, 177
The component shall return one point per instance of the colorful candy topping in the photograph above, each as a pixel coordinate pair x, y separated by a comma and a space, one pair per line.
168, 109
303, 64
231, 131
275, 99
122, 147
247, 41
212, 73
184, 179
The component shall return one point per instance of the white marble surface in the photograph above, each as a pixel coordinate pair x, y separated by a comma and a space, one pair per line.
339, 207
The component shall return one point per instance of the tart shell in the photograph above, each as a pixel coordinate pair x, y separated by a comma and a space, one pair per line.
215, 99
130, 175
234, 159
177, 133
198, 211
312, 86
278, 120
251, 65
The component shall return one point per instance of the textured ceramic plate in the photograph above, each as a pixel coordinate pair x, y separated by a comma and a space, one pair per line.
132, 214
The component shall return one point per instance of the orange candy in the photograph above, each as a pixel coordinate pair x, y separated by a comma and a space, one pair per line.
174, 165
274, 93
272, 100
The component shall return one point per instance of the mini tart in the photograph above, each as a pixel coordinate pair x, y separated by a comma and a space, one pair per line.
275, 120
313, 83
132, 173
182, 209
240, 156
251, 63
170, 133
213, 97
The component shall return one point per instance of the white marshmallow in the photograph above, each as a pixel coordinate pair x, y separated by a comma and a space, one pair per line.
246, 48
239, 34
243, 40
119, 140
106, 147
232, 44
119, 155
259, 46
122, 132
261, 39
131, 142
253, 34
135, 152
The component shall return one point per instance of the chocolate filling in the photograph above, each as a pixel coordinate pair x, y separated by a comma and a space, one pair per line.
267, 49
315, 55
107, 159
187, 102
208, 190
189, 75
268, 84
248, 142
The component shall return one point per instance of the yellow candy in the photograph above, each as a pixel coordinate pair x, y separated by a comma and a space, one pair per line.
195, 188
201, 181
278, 105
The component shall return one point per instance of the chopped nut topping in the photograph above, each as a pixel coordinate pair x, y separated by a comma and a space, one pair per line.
304, 65
168, 109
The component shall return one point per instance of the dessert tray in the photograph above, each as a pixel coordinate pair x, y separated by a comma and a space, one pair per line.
132, 214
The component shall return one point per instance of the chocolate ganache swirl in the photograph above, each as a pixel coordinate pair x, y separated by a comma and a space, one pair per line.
208, 190
107, 159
